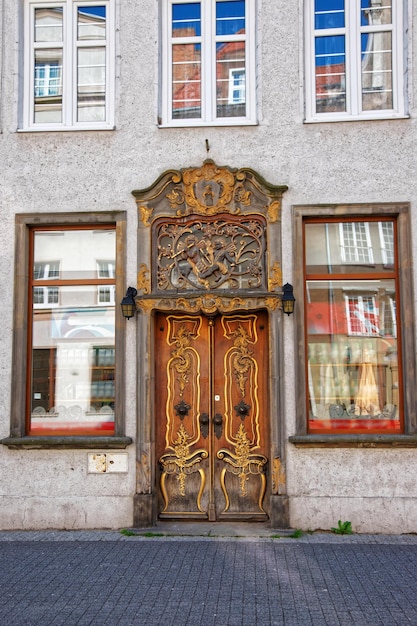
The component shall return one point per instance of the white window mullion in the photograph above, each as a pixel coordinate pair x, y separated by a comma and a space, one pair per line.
353, 60
29, 61
110, 61
208, 61
70, 64
398, 57
310, 74
166, 104
250, 60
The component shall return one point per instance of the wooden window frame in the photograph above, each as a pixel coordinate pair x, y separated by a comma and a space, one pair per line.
208, 74
22, 321
399, 212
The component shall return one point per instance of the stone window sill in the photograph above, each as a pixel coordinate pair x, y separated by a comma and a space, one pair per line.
66, 443
354, 441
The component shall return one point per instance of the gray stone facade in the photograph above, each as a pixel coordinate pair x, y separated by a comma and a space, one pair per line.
372, 483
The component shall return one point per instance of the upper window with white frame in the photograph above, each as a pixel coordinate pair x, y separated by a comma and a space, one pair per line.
69, 65
354, 59
208, 69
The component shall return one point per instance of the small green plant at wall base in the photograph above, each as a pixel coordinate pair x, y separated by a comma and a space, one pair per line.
343, 528
296, 534
127, 532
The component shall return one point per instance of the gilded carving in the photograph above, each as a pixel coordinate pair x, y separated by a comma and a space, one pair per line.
242, 358
208, 304
144, 283
210, 190
206, 190
146, 304
143, 474
242, 463
181, 360
272, 303
145, 214
278, 476
211, 254
181, 463
274, 211
275, 277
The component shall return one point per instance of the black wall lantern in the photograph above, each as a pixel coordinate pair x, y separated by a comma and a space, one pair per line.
128, 303
288, 299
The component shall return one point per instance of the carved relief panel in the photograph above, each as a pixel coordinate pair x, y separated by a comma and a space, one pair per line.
209, 230
210, 253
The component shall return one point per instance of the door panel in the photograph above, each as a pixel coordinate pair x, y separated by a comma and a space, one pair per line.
211, 415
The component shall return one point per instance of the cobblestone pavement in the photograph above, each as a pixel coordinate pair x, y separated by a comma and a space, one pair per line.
105, 578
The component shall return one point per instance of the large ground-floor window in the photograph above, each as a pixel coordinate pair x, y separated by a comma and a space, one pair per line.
69, 381
354, 345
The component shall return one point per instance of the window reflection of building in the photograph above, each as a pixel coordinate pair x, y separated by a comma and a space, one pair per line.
69, 58
106, 294
376, 54
386, 235
236, 86
45, 296
356, 243
73, 355
354, 56
352, 366
199, 88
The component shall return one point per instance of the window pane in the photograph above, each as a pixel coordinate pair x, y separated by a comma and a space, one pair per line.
352, 366
375, 13
349, 247
91, 84
330, 63
186, 81
329, 14
91, 22
78, 252
73, 364
230, 17
46, 270
231, 79
48, 24
48, 86
38, 295
387, 242
377, 71
186, 20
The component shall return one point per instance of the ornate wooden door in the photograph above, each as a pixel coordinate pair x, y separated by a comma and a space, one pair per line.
211, 415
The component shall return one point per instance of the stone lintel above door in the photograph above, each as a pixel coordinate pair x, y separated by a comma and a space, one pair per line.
209, 304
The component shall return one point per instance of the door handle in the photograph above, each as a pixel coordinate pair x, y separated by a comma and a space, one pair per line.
204, 424
218, 425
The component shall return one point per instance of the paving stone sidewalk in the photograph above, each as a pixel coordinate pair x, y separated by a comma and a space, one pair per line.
106, 578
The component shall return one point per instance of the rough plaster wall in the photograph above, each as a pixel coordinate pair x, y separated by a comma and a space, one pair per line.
87, 171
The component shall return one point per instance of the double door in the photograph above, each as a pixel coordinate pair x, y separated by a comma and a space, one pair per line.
211, 416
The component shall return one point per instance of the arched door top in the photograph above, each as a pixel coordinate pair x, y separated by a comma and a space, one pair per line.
208, 249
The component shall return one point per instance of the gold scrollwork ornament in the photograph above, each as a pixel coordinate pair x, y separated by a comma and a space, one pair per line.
145, 214
275, 277
144, 283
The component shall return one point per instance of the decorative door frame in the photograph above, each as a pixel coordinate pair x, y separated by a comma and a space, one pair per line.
201, 203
